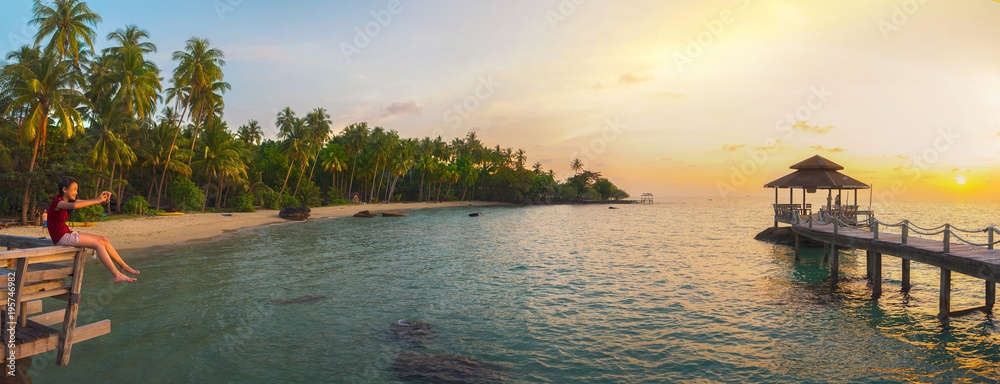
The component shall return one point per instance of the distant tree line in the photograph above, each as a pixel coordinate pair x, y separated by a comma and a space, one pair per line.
66, 109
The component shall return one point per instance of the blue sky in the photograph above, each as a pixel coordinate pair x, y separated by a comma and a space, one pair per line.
669, 97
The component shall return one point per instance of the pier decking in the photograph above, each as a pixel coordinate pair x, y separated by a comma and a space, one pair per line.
35, 269
951, 254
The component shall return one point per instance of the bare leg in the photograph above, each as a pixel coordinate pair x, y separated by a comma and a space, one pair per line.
117, 259
97, 243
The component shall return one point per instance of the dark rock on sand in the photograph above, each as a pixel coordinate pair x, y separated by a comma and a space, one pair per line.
414, 333
368, 214
441, 368
302, 299
395, 214
785, 236
612, 207
477, 214
296, 213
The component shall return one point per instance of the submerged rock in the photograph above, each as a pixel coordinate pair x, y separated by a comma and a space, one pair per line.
296, 213
366, 213
301, 299
395, 214
414, 333
477, 214
785, 236
445, 368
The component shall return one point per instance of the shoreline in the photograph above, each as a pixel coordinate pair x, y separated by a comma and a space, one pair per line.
129, 235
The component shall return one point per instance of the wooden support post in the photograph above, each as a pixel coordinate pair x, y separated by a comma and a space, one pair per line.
826, 252
906, 275
944, 306
906, 230
796, 247
875, 230
990, 230
836, 225
876, 275
991, 295
947, 238
72, 308
834, 264
868, 264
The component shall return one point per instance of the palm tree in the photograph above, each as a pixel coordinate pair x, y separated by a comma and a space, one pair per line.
520, 159
197, 72
137, 79
355, 137
67, 23
218, 158
295, 135
576, 165
251, 133
318, 123
331, 159
41, 90
537, 168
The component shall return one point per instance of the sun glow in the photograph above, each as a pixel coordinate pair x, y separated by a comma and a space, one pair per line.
960, 180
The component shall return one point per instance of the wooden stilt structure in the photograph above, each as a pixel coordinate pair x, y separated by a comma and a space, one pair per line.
35, 269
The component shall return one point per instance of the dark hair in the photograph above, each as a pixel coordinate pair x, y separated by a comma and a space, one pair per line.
65, 182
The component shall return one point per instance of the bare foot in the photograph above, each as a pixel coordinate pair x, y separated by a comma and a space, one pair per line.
130, 270
122, 278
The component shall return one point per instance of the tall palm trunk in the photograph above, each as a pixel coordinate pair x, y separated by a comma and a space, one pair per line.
170, 150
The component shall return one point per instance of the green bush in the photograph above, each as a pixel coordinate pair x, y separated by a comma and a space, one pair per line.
136, 204
185, 194
91, 213
288, 201
242, 203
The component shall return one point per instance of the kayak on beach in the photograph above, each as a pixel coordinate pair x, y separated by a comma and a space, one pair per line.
79, 224
169, 213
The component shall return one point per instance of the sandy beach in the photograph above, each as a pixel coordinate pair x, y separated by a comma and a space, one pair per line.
142, 232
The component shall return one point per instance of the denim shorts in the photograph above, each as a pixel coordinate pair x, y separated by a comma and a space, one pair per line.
71, 239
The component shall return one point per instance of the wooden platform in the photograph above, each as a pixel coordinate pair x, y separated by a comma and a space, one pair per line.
35, 269
975, 261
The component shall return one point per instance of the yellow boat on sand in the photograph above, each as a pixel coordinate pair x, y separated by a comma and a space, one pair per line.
169, 213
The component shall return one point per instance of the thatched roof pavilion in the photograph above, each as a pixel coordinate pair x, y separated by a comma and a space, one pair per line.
810, 175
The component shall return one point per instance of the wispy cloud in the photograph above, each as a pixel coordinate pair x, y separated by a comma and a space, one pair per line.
811, 128
401, 108
769, 148
733, 147
632, 78
822, 148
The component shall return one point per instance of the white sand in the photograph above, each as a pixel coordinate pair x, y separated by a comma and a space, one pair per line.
138, 233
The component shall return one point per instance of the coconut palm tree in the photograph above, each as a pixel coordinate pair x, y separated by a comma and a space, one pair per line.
295, 136
355, 138
219, 157
68, 23
331, 159
199, 68
41, 90
137, 80
251, 133
576, 165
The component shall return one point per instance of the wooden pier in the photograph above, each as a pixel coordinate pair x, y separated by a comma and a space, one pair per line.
35, 269
952, 253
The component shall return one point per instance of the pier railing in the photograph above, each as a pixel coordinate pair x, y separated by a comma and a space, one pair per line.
948, 232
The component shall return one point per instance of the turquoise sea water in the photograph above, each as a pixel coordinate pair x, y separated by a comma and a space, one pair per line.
677, 292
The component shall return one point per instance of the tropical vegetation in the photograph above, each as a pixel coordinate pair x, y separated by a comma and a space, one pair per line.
112, 120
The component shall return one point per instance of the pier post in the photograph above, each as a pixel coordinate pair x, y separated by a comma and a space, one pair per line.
906, 275
947, 238
876, 267
990, 230
875, 230
826, 252
944, 306
796, 247
834, 264
991, 295
868, 264
906, 230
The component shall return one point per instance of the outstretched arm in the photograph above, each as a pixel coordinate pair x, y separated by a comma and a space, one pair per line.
105, 196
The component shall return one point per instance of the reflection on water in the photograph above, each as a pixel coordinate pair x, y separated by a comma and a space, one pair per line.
675, 292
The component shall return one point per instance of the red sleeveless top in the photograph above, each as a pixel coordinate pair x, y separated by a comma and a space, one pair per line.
57, 221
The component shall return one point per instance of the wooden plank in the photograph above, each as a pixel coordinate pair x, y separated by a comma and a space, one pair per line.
49, 318
51, 342
66, 337
38, 287
32, 307
22, 268
40, 251
23, 242
47, 293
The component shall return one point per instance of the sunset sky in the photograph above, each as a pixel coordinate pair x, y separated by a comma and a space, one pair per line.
706, 98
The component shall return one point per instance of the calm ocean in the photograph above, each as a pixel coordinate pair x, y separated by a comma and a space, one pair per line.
677, 292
